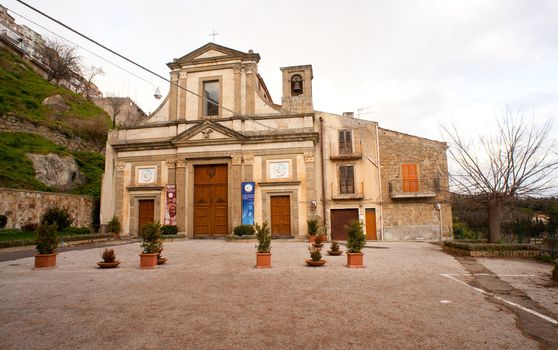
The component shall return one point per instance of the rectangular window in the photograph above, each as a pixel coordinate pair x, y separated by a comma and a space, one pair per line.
410, 177
345, 142
346, 179
211, 98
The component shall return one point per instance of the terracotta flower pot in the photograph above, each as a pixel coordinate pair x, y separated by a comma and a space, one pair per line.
263, 260
45, 260
355, 259
331, 252
108, 265
148, 261
312, 239
161, 260
318, 245
311, 262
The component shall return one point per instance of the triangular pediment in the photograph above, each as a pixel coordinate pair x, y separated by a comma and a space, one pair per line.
208, 131
211, 52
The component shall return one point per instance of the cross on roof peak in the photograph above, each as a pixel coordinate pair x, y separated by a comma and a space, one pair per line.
213, 34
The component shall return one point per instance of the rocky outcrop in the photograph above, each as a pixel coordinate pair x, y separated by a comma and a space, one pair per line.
58, 172
14, 123
57, 103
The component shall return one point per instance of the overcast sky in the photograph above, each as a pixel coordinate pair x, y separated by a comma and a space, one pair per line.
410, 65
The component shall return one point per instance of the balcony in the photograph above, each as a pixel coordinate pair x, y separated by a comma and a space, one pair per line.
358, 193
414, 188
345, 151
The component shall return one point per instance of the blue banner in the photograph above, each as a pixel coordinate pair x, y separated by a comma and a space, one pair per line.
248, 203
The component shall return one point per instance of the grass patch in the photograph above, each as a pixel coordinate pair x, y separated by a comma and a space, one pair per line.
11, 234
92, 165
17, 170
23, 90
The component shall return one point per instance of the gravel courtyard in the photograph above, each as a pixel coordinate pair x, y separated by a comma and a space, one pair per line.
209, 295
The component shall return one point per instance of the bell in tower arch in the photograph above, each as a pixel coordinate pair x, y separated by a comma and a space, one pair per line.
296, 85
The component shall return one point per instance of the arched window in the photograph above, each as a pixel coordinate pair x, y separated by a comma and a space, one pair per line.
296, 85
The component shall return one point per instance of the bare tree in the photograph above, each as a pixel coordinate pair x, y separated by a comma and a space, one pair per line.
89, 74
61, 59
115, 104
515, 161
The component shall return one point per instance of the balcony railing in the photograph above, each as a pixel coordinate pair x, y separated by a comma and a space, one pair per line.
357, 194
345, 151
414, 188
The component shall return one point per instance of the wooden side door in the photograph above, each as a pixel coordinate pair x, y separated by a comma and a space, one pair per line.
410, 177
146, 213
210, 199
370, 217
281, 215
339, 218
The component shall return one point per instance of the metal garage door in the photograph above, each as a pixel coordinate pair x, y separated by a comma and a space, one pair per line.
339, 218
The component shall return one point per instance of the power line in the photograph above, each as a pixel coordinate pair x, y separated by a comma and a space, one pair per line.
135, 63
83, 48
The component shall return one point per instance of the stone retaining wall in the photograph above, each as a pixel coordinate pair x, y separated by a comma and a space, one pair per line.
22, 207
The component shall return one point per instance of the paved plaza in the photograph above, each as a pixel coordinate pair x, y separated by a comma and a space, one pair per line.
210, 296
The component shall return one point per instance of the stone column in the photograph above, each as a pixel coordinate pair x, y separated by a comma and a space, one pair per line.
250, 88
236, 195
181, 195
237, 97
173, 102
182, 96
119, 193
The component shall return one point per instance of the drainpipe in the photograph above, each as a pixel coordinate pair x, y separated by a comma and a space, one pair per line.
323, 170
380, 185
438, 207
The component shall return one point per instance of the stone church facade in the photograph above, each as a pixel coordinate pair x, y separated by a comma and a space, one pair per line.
218, 152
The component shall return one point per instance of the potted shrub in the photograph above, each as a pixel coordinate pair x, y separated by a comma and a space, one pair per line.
47, 242
318, 241
151, 244
313, 229
114, 227
263, 248
315, 257
160, 259
334, 249
109, 259
355, 242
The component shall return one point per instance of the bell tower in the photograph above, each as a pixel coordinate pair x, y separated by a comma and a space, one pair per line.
297, 89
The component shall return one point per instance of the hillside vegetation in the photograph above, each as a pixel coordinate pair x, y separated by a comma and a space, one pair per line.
17, 170
22, 92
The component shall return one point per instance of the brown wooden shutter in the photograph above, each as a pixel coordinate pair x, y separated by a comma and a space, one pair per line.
410, 177
345, 142
346, 179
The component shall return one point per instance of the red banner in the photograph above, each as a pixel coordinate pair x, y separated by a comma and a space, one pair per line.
170, 212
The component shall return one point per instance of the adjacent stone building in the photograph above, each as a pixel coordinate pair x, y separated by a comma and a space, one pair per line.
218, 152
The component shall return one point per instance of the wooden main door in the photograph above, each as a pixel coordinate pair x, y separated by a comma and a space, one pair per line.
210, 200
146, 213
340, 218
371, 224
280, 215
